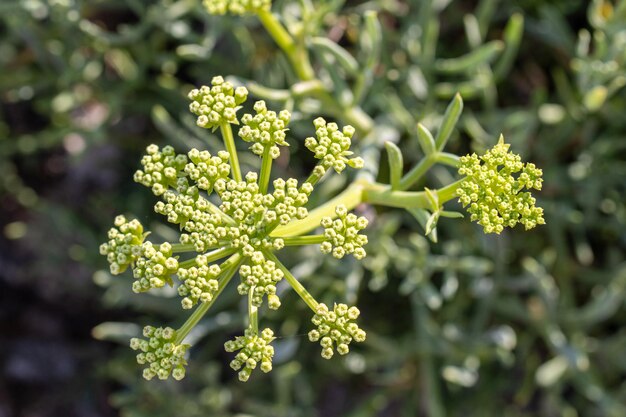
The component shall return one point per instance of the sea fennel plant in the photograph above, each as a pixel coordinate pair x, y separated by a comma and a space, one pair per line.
231, 222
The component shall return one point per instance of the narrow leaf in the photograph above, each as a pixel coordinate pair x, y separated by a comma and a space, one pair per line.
395, 164
450, 118
426, 140
468, 62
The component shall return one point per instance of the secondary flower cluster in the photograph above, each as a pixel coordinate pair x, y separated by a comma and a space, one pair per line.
332, 146
217, 104
124, 245
494, 194
254, 349
336, 328
231, 223
265, 130
160, 353
342, 234
238, 7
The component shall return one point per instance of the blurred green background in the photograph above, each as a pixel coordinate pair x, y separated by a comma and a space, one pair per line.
521, 324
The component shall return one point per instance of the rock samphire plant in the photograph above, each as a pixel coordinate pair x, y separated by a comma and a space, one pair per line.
236, 223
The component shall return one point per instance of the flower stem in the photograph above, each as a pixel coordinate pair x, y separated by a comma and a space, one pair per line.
179, 247
295, 284
408, 199
266, 169
213, 209
303, 240
229, 267
229, 142
253, 313
211, 256
297, 55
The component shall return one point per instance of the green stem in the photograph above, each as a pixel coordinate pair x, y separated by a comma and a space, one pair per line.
304, 240
299, 59
295, 284
418, 171
229, 142
229, 267
350, 197
213, 209
363, 191
211, 256
408, 199
179, 247
297, 56
315, 177
266, 169
253, 313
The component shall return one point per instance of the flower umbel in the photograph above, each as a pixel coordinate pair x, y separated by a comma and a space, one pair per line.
342, 234
336, 329
124, 245
495, 195
254, 350
160, 353
217, 104
229, 223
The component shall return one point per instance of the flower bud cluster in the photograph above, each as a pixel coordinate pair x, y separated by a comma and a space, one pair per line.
160, 169
336, 328
124, 245
261, 277
205, 169
159, 352
198, 283
254, 211
342, 234
494, 195
332, 146
155, 267
216, 104
239, 7
265, 130
254, 350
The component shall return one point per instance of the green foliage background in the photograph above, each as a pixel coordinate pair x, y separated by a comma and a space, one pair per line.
521, 324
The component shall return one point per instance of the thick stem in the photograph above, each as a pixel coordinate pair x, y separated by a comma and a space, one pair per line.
297, 56
385, 196
304, 240
229, 142
350, 197
229, 267
295, 284
266, 169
